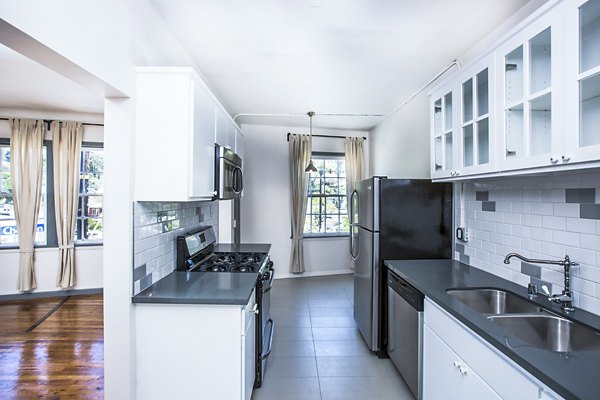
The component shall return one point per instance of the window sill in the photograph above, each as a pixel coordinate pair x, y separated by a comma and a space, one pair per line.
330, 236
45, 248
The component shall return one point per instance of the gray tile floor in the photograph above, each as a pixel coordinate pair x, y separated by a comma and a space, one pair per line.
318, 352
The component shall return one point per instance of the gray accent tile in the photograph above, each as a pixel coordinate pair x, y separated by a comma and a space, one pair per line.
580, 195
482, 196
488, 206
139, 272
145, 282
589, 211
460, 248
531, 270
465, 259
292, 333
293, 348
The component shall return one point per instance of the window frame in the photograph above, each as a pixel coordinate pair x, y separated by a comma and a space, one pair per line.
83, 242
321, 235
51, 237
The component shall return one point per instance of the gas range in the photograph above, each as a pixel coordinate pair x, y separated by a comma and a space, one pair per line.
195, 253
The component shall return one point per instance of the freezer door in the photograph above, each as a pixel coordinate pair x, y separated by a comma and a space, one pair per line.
366, 288
368, 203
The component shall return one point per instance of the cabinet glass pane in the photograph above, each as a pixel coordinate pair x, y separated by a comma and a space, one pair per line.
514, 132
589, 106
448, 111
448, 151
467, 93
541, 125
482, 93
540, 61
437, 117
589, 35
483, 141
514, 75
437, 150
468, 145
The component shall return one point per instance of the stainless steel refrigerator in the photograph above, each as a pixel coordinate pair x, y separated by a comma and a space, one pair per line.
393, 219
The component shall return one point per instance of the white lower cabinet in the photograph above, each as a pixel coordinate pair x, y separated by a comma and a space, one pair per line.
194, 351
447, 376
459, 364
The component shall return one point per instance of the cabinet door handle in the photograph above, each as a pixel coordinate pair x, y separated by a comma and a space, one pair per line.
566, 158
511, 152
456, 364
553, 160
462, 370
254, 309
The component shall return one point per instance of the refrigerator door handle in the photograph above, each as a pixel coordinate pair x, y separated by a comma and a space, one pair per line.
353, 225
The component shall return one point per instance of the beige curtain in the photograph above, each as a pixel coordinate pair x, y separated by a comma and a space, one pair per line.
300, 148
355, 164
66, 151
26, 165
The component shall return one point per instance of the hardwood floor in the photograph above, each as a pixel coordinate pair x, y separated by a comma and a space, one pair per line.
61, 358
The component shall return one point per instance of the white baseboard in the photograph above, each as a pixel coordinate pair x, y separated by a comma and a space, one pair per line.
279, 275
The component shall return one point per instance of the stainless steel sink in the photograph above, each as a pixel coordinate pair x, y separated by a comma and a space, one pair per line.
549, 332
493, 301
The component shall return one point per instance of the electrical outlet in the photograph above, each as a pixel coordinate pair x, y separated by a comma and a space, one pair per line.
462, 234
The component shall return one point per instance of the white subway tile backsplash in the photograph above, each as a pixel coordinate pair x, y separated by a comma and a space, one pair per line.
157, 226
532, 217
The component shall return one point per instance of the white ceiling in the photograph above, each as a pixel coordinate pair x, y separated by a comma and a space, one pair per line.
277, 56
330, 56
27, 85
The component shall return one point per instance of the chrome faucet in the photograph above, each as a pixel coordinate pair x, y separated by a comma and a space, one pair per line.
566, 297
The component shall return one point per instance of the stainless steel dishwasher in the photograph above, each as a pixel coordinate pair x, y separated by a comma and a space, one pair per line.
405, 331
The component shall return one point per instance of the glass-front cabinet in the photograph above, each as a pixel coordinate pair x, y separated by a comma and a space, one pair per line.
582, 88
443, 133
477, 119
530, 116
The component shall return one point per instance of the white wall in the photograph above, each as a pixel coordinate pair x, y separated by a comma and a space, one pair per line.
400, 144
265, 207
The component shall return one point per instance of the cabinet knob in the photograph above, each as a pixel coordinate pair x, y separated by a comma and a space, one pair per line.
553, 160
456, 364
566, 157
462, 370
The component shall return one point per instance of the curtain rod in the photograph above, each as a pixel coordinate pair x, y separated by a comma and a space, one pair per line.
327, 136
49, 121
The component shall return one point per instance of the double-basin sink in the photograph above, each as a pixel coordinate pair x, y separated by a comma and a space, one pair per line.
529, 321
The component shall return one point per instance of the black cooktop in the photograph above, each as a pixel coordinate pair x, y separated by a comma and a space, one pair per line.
232, 262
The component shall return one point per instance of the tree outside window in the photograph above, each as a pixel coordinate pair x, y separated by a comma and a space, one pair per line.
326, 212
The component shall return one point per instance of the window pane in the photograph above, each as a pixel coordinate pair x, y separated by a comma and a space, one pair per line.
8, 224
91, 188
327, 208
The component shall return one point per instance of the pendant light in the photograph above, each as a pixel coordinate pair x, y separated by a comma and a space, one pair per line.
310, 167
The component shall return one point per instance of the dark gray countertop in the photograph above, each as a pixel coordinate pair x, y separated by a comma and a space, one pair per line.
228, 288
573, 375
242, 248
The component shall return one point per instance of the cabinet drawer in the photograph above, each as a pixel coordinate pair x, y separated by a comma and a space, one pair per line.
492, 367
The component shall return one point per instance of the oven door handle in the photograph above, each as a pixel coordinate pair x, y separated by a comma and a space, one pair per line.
268, 288
272, 330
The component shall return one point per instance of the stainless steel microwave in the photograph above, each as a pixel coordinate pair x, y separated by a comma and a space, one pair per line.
229, 180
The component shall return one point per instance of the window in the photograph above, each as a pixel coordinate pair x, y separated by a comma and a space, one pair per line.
89, 211
8, 225
326, 211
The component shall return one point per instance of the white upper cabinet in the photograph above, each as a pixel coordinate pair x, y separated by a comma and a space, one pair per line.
178, 122
443, 130
530, 72
543, 100
582, 88
476, 119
